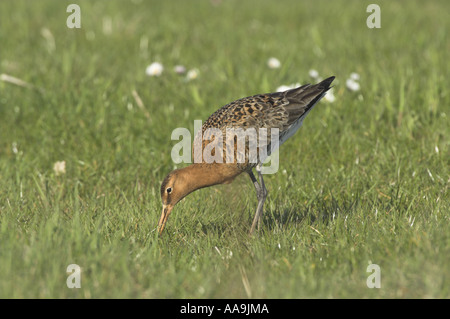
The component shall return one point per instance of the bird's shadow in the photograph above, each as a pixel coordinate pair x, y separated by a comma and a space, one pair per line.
320, 209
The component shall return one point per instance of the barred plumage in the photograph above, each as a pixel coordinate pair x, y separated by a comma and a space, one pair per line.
284, 111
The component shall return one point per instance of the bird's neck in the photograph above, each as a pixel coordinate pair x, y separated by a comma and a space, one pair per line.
204, 175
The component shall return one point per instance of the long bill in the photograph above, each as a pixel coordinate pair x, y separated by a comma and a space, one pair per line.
164, 216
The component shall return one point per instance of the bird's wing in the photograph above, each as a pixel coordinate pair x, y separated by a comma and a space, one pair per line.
283, 111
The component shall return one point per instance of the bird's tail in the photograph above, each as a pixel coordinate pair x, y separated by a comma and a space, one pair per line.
302, 99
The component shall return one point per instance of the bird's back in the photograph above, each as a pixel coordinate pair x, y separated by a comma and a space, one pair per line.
284, 111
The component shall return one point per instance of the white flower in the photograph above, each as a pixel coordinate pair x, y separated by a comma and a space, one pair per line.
229, 254
59, 167
352, 85
329, 96
192, 74
179, 69
273, 63
283, 88
154, 69
354, 76
313, 74
14, 148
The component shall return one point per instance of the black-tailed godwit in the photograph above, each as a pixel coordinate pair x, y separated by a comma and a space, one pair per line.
284, 111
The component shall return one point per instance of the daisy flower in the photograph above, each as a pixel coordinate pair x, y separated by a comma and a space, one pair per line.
273, 63
313, 74
352, 85
154, 69
283, 88
59, 167
329, 97
179, 69
192, 74
354, 76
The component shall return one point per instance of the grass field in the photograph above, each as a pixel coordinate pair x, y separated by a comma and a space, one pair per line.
364, 181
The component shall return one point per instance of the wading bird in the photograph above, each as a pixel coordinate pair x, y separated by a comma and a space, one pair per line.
284, 111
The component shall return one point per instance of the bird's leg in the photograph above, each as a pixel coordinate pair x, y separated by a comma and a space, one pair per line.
261, 194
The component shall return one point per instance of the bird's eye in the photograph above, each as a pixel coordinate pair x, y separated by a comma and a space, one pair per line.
169, 190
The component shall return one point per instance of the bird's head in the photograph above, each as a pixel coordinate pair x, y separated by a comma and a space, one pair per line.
181, 182
173, 189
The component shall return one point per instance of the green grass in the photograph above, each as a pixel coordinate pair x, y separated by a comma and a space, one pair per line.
365, 180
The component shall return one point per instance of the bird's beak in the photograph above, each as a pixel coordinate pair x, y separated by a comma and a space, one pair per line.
167, 209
